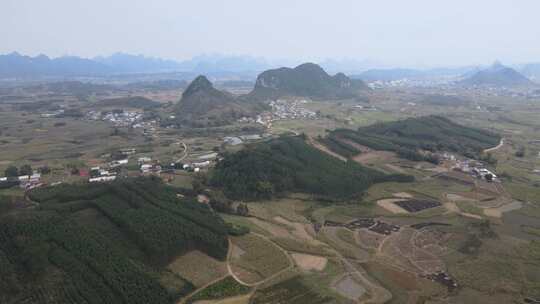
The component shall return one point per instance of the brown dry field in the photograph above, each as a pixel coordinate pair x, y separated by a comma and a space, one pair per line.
189, 266
309, 262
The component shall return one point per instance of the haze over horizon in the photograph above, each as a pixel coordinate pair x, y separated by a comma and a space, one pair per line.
417, 33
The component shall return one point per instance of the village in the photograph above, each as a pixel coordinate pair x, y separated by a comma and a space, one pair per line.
283, 109
125, 118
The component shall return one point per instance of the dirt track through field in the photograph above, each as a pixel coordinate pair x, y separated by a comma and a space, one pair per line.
501, 143
314, 143
231, 272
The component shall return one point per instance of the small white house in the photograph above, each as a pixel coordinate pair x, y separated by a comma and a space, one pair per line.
102, 179
118, 163
201, 164
146, 168
143, 160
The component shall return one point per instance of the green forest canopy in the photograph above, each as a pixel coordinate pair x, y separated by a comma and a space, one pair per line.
408, 136
288, 164
105, 243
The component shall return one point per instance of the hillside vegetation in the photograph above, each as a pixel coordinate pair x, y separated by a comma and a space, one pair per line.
305, 80
288, 164
104, 243
202, 105
409, 136
496, 75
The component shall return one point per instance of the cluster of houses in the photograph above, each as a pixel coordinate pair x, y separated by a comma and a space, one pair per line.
124, 118
98, 174
285, 109
118, 118
475, 168
147, 166
26, 182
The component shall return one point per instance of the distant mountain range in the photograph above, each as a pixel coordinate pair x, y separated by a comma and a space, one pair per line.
15, 65
306, 80
496, 75
398, 73
531, 70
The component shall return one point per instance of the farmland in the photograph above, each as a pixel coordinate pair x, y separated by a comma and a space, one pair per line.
306, 238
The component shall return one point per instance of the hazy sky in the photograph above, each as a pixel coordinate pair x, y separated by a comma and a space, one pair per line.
398, 32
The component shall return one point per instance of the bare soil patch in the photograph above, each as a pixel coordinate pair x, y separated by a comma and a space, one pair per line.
452, 207
299, 230
309, 262
189, 266
402, 195
233, 300
498, 212
395, 168
388, 204
236, 252
365, 158
456, 198
349, 288
324, 149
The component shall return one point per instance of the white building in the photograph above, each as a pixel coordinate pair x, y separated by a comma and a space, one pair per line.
102, 179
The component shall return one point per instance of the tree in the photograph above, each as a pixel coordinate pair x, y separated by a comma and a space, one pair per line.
25, 170
44, 170
11, 171
520, 152
265, 189
242, 209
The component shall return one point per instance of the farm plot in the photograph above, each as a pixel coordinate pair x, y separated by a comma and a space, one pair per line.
290, 291
391, 205
404, 252
349, 288
189, 266
367, 239
258, 260
309, 262
416, 205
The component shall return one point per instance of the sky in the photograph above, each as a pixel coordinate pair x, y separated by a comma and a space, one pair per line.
410, 33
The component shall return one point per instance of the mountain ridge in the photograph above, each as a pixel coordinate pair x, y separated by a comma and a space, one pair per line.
305, 80
496, 75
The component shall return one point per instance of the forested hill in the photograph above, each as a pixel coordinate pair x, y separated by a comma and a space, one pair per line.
497, 75
305, 80
202, 105
408, 136
106, 243
288, 164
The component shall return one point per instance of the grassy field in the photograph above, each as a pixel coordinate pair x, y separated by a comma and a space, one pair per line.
259, 258
188, 266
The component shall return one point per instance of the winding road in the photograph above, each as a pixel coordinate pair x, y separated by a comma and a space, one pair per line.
496, 147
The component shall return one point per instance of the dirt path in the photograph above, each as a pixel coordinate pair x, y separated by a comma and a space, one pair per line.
185, 152
229, 254
314, 143
496, 147
389, 205
378, 294
451, 207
